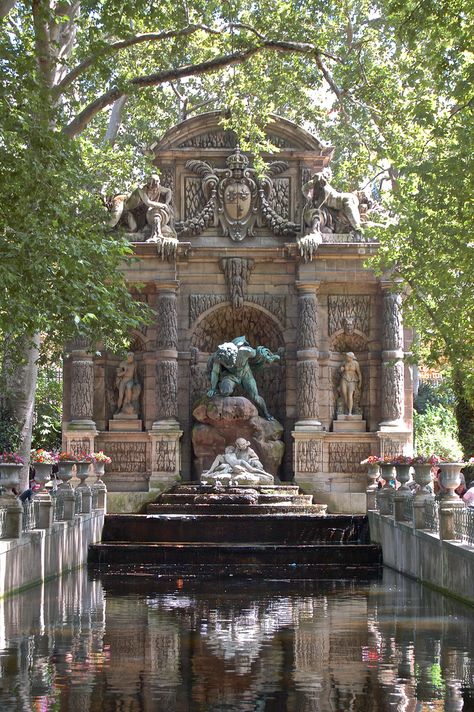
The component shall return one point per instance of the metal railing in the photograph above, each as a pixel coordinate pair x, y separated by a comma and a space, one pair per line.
29, 515
432, 516
464, 524
408, 509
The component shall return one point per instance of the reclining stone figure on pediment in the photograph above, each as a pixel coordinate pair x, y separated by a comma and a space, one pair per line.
147, 210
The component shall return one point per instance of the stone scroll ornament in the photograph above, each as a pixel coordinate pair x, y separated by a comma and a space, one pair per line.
326, 211
236, 196
147, 211
231, 365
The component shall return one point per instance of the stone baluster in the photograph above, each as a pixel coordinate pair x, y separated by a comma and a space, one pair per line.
307, 367
393, 367
81, 429
165, 433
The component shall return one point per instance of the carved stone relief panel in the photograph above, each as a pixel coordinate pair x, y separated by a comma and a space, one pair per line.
275, 304
223, 324
392, 389
343, 342
194, 200
307, 321
309, 456
166, 322
167, 177
199, 303
110, 390
279, 198
392, 321
271, 385
146, 299
79, 445
165, 455
307, 373
216, 139
82, 388
278, 141
199, 378
167, 389
348, 313
346, 457
237, 272
127, 457
391, 447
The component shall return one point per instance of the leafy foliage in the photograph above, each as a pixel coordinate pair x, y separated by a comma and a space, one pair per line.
388, 82
48, 411
435, 430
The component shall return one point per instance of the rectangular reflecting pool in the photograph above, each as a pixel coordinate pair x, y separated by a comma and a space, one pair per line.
105, 642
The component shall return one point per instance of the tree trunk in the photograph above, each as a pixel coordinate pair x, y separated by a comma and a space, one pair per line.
21, 374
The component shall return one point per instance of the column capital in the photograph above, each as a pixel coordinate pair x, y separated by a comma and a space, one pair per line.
171, 285
391, 285
307, 287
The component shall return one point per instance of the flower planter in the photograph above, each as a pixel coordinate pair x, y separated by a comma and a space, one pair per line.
42, 471
450, 479
9, 475
83, 470
99, 468
424, 479
403, 475
65, 469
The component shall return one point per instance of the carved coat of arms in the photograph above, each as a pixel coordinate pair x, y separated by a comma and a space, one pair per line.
236, 197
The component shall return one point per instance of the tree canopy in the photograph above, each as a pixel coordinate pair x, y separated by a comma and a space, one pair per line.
87, 86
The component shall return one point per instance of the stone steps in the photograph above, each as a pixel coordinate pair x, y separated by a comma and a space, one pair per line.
231, 559
243, 528
272, 532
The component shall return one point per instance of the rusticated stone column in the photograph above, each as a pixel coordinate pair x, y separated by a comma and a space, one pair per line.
308, 435
307, 367
166, 433
81, 430
393, 367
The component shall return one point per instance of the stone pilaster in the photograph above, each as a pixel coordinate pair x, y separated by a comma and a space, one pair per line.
307, 366
308, 435
166, 433
80, 432
393, 367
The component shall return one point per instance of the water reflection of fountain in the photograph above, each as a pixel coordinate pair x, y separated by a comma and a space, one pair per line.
335, 648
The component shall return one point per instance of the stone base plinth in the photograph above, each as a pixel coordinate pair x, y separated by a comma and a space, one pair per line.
165, 452
125, 424
79, 437
395, 442
349, 424
328, 465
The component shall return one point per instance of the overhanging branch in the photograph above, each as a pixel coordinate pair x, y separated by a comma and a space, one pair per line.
79, 123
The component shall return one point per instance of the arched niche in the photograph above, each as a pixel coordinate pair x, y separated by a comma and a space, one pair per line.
224, 323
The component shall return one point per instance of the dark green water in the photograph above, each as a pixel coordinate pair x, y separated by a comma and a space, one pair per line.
127, 645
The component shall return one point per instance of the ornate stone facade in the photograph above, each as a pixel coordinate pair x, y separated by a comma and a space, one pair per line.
240, 267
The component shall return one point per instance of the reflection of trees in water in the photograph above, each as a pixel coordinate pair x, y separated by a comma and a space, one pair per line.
344, 647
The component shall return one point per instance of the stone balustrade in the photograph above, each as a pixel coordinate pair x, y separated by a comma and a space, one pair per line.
47, 536
429, 539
